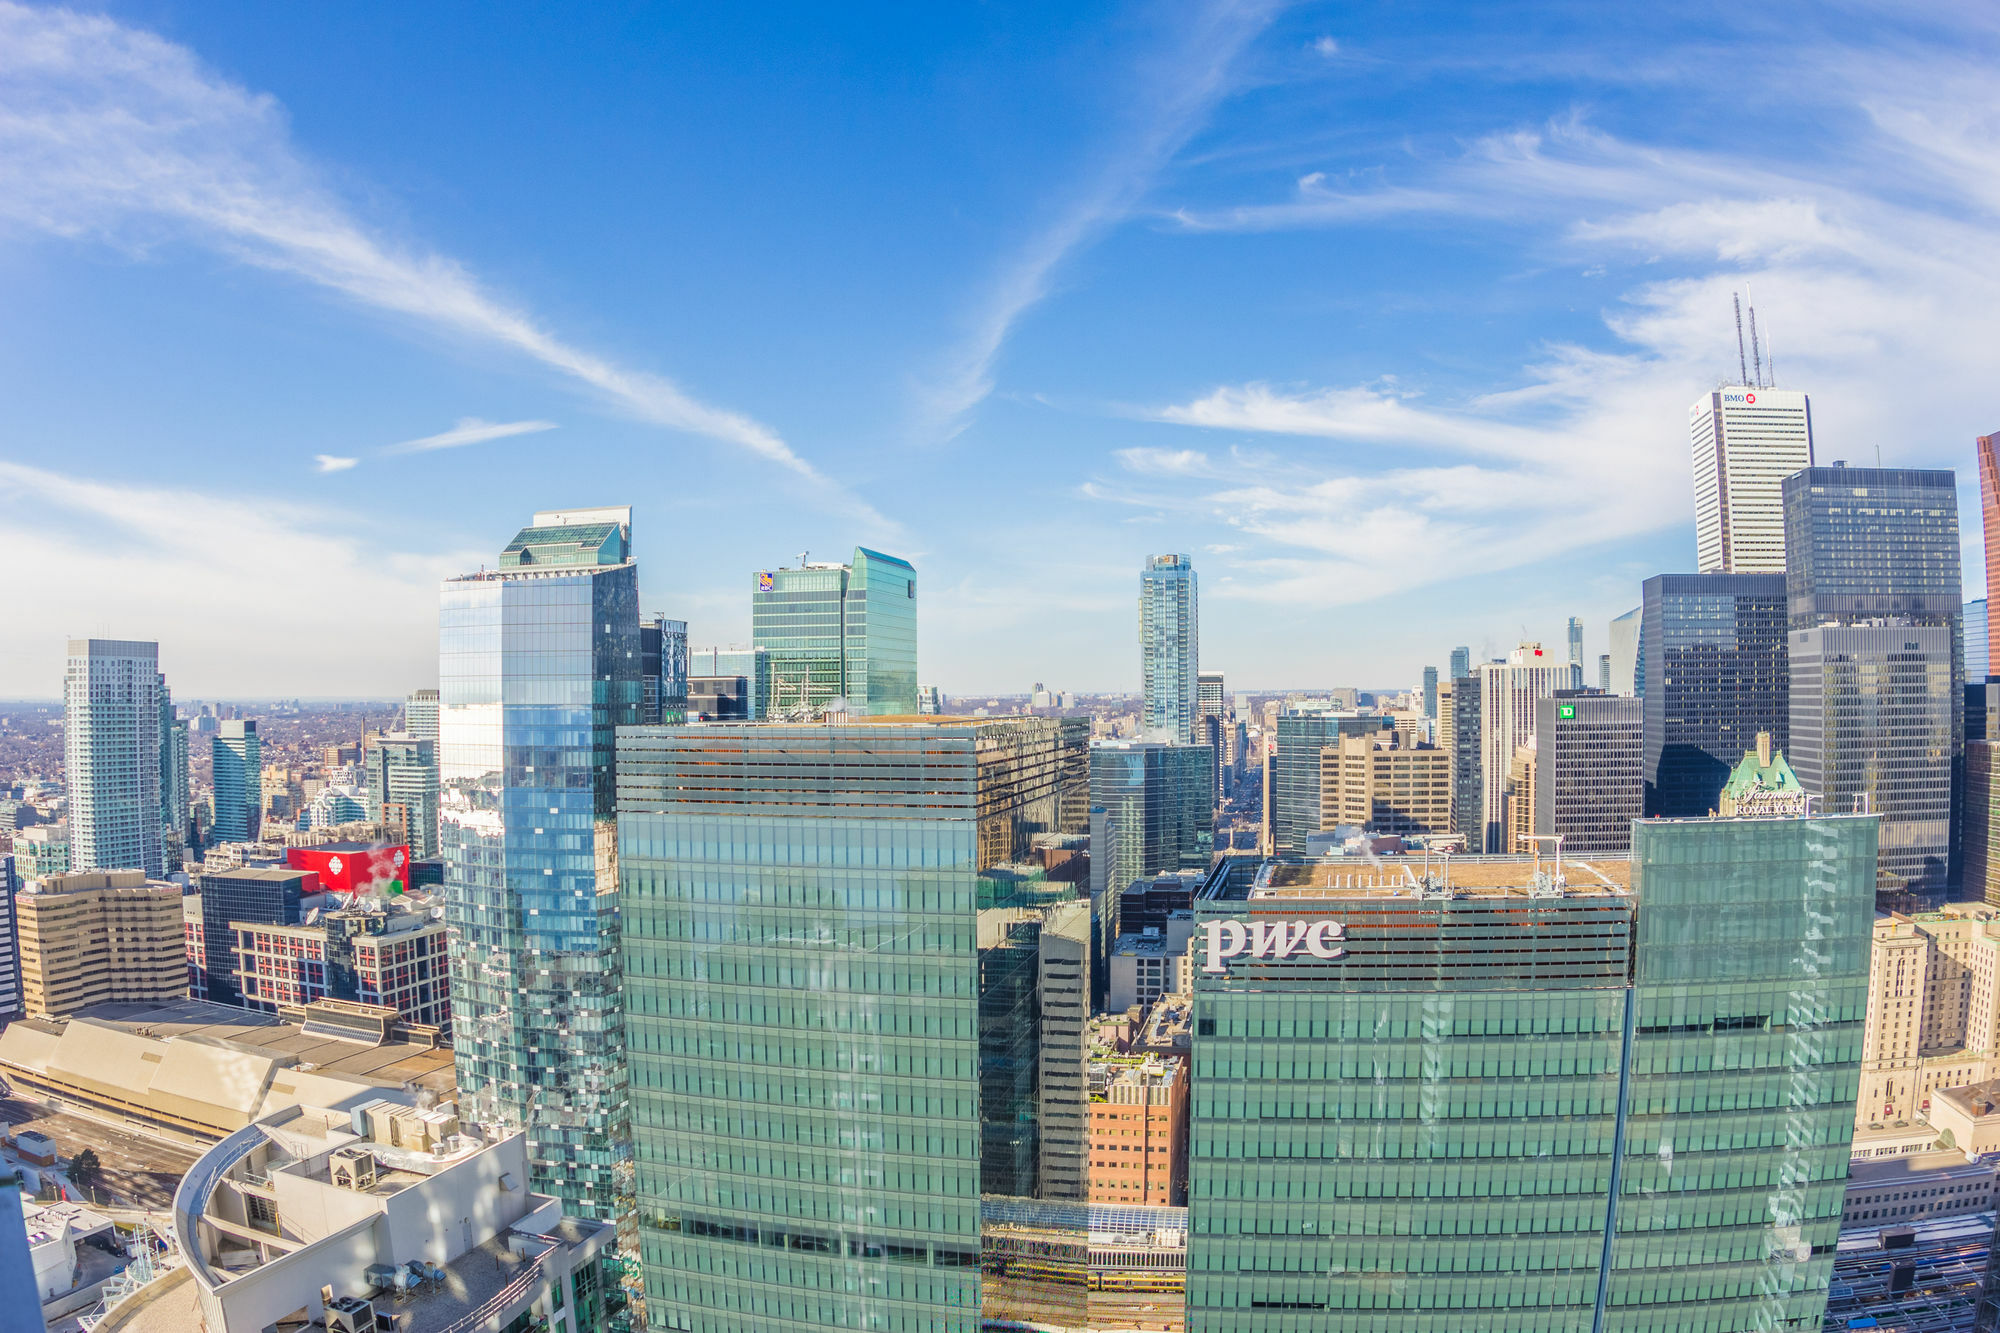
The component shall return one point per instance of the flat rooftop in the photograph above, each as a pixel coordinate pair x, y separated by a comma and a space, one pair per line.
392, 1062
1467, 876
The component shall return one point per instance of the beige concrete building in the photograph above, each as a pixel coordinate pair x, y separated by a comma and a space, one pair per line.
1521, 773
1399, 789
99, 937
1933, 1014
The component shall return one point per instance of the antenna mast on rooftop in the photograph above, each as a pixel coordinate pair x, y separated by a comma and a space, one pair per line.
1742, 365
1756, 354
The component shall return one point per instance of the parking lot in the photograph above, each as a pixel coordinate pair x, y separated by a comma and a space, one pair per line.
137, 1172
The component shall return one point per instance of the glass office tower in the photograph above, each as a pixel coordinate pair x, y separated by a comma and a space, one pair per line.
1872, 709
1614, 1095
1169, 647
1713, 649
111, 754
175, 792
663, 668
1158, 795
1295, 804
538, 663
838, 632
403, 771
831, 959
1879, 548
236, 767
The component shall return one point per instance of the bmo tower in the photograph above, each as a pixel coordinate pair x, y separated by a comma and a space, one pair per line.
1611, 1095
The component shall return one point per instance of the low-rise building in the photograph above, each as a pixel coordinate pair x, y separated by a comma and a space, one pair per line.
1968, 1118
41, 851
96, 937
1149, 964
378, 951
1933, 1010
1915, 1187
194, 1072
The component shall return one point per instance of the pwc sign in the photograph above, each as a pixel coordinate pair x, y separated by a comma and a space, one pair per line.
1275, 940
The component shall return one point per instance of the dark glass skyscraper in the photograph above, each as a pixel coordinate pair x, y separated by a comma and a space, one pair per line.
1713, 646
844, 1023
1589, 771
237, 768
538, 663
1159, 796
1877, 550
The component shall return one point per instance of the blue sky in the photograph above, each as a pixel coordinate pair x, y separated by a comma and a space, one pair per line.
1387, 313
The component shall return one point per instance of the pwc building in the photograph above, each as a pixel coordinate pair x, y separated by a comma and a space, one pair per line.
1495, 1095
1517, 1095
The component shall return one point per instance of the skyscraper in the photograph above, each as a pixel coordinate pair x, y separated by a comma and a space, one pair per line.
10, 952
1590, 772
1461, 662
1294, 770
1158, 795
1874, 553
420, 715
1431, 692
1872, 720
1656, 1137
1714, 646
403, 773
1746, 441
1604, 673
538, 664
1169, 646
1576, 653
853, 1011
663, 667
1984, 448
237, 767
111, 754
175, 792
1508, 693
1627, 674
838, 632
1976, 661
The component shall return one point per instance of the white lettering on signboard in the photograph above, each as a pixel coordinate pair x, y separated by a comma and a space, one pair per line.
1275, 940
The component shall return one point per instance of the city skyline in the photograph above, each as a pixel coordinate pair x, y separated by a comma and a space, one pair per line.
1445, 418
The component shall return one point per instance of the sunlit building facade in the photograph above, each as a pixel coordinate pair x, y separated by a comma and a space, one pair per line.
538, 663
838, 632
1502, 1099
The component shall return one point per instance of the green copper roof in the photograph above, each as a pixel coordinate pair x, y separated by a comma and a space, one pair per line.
572, 544
1749, 776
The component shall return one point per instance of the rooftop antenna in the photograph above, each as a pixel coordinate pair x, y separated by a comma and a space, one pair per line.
1756, 356
803, 557
1742, 364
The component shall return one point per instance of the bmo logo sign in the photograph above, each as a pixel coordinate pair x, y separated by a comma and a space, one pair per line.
1745, 398
1274, 940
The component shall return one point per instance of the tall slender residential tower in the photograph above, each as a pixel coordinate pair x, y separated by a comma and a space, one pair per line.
1575, 653
1989, 514
1169, 645
174, 790
111, 754
538, 663
420, 715
237, 766
1746, 440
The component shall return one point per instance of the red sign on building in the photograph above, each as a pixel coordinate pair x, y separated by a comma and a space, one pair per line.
355, 867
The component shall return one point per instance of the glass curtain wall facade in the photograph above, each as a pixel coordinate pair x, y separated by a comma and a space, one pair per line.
1169, 646
111, 754
1590, 773
539, 661
881, 636
821, 1089
403, 770
1624, 1103
1716, 674
236, 767
663, 667
838, 632
1295, 770
1158, 796
1872, 722
175, 809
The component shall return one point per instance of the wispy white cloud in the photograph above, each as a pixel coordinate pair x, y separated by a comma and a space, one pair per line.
1175, 101
1171, 462
332, 463
115, 134
469, 430
168, 563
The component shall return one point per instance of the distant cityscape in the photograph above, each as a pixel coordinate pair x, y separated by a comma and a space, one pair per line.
617, 981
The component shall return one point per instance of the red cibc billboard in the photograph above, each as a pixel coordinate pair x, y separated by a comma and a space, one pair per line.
355, 867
